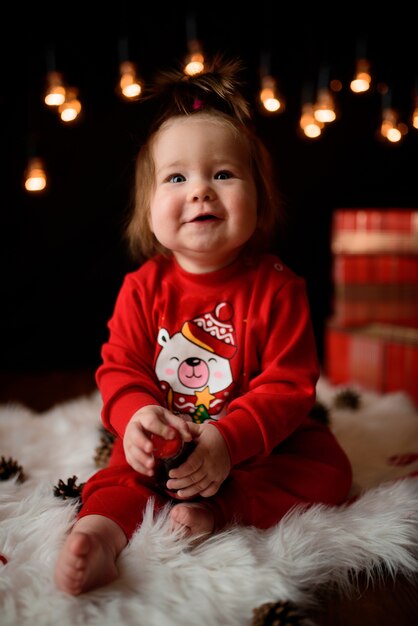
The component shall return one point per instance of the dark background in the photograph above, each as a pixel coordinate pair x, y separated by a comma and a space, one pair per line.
62, 252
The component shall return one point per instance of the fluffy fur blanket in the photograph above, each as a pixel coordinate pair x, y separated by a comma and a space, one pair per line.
164, 580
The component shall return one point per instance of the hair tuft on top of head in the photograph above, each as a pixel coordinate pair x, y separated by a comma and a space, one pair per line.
218, 87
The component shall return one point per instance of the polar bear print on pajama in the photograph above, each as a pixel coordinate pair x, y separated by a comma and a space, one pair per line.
193, 365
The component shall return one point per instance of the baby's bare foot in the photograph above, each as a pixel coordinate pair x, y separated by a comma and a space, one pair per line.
192, 518
85, 562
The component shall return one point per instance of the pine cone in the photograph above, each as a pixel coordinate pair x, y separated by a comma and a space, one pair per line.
104, 450
9, 468
347, 399
320, 413
281, 613
69, 489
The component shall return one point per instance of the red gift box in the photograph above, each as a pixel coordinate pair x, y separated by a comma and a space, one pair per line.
362, 301
375, 267
372, 231
381, 269
383, 358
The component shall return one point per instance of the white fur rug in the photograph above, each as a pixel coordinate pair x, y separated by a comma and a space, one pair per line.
163, 580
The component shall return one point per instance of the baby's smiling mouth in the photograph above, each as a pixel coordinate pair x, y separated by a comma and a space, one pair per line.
204, 218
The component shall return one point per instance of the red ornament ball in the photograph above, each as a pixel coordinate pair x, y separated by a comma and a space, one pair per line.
166, 448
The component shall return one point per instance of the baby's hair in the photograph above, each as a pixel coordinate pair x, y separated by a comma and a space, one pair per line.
219, 87
217, 93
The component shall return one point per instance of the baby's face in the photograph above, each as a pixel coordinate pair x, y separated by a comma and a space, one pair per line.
204, 207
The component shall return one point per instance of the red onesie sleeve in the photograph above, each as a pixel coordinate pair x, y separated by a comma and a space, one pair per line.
279, 398
126, 377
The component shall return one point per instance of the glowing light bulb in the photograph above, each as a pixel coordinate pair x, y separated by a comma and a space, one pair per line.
55, 93
324, 108
269, 95
394, 135
362, 79
35, 178
71, 108
310, 126
390, 128
129, 85
195, 61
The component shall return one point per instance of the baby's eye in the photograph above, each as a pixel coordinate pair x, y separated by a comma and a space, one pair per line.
223, 175
176, 178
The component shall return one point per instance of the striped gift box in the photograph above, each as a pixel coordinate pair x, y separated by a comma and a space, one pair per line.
375, 267
372, 231
380, 357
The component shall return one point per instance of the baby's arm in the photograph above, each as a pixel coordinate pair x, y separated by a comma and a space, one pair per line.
152, 419
205, 469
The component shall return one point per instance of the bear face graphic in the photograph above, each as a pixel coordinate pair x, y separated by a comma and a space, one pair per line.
193, 365
187, 367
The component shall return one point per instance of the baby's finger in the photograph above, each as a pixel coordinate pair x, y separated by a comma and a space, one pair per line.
193, 490
140, 460
186, 428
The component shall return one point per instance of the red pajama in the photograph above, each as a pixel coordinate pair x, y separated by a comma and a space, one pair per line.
234, 347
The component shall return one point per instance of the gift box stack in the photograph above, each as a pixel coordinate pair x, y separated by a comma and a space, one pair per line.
372, 336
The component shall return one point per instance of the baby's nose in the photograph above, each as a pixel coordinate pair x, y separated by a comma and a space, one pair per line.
203, 192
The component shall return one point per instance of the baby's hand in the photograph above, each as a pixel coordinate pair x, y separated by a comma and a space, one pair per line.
205, 469
137, 443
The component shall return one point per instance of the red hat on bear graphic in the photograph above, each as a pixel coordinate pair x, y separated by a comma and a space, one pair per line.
213, 331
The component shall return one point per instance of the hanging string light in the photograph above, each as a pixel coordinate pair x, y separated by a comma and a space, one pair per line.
362, 78
391, 128
129, 86
70, 109
315, 113
55, 88
309, 125
35, 176
324, 107
269, 95
194, 62
55, 91
65, 99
